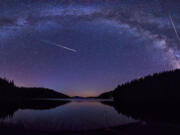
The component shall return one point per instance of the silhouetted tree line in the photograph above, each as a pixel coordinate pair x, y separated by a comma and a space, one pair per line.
160, 87
13, 98
154, 97
8, 90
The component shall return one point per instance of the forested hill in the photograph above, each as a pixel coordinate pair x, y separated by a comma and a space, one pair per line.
8, 90
155, 97
164, 86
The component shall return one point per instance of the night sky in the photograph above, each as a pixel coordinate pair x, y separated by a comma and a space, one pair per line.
85, 47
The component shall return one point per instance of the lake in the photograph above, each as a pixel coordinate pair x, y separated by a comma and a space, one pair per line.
74, 115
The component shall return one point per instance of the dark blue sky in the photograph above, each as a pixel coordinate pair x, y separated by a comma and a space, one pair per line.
115, 41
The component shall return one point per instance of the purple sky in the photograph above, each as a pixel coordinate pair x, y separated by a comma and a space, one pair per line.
113, 42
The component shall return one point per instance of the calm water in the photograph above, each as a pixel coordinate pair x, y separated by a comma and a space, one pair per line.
74, 116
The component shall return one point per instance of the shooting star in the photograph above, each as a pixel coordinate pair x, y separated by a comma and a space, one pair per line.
174, 27
61, 46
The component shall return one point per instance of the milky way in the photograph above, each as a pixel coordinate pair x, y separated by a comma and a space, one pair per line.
112, 42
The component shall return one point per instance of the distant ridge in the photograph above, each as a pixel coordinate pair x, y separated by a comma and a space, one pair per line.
106, 95
8, 90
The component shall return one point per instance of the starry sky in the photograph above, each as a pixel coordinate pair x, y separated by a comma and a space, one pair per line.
86, 47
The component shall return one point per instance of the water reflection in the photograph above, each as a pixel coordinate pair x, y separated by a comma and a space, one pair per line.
8, 108
65, 116
152, 112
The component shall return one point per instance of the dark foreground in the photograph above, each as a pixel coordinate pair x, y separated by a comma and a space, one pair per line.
130, 129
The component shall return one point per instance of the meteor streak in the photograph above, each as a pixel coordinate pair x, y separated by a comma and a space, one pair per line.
61, 46
174, 27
